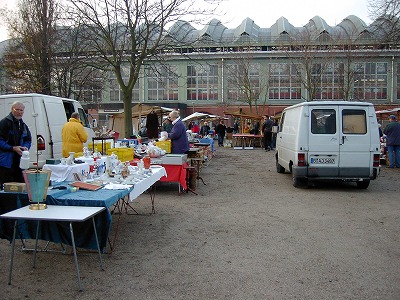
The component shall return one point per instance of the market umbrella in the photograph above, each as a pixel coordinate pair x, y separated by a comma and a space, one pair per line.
195, 115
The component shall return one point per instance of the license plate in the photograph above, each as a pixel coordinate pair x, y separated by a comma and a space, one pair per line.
318, 160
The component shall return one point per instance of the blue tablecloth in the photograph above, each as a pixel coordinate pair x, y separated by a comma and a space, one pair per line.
58, 232
208, 141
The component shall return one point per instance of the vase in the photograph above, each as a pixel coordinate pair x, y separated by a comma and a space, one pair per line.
37, 183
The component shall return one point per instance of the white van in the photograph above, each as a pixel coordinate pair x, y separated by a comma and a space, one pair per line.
45, 117
329, 140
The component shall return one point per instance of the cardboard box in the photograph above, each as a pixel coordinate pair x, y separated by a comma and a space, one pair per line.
15, 187
174, 159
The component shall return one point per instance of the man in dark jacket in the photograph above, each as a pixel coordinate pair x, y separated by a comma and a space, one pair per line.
392, 131
178, 136
205, 129
220, 129
15, 137
267, 131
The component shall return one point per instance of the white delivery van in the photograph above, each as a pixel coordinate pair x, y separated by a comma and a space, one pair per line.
45, 116
329, 140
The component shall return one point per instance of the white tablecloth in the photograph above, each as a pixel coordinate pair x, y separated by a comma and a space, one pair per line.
145, 183
61, 172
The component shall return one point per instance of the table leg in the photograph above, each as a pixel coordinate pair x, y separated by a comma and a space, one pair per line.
97, 243
75, 256
12, 253
152, 193
36, 244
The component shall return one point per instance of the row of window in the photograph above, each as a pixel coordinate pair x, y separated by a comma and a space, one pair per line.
366, 81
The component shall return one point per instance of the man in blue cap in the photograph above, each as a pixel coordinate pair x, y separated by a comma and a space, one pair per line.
392, 132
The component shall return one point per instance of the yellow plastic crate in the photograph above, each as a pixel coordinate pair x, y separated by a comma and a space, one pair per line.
124, 154
97, 146
165, 145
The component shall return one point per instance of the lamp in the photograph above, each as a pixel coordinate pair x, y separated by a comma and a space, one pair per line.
37, 182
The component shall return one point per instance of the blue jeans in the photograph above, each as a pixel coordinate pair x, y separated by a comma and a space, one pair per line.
220, 140
394, 154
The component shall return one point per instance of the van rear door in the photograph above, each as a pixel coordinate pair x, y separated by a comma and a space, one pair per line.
355, 142
323, 154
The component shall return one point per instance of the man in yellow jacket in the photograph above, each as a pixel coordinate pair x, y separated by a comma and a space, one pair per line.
73, 135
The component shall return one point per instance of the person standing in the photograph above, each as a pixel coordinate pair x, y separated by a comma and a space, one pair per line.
220, 130
152, 125
274, 133
73, 135
167, 126
205, 129
15, 137
267, 131
392, 132
178, 136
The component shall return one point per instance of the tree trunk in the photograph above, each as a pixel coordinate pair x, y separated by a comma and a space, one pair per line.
127, 96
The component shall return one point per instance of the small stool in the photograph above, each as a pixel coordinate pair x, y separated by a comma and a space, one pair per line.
190, 174
198, 162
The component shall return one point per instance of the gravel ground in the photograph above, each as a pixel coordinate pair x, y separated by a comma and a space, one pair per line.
249, 234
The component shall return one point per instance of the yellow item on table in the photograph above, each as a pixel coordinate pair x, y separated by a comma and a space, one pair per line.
165, 145
124, 154
97, 146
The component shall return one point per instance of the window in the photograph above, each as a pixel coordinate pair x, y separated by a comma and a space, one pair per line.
115, 91
323, 121
284, 81
162, 83
202, 82
354, 121
329, 79
370, 81
243, 81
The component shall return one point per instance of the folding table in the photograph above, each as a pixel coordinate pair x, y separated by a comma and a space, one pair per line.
54, 213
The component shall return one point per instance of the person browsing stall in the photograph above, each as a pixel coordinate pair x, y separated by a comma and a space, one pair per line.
267, 132
205, 129
15, 137
167, 125
179, 140
220, 129
73, 135
392, 132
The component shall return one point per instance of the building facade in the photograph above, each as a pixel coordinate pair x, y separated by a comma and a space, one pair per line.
261, 70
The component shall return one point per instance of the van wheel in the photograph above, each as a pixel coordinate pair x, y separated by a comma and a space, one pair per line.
279, 168
363, 184
300, 182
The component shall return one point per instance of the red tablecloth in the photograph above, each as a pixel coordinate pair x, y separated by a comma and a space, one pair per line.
176, 173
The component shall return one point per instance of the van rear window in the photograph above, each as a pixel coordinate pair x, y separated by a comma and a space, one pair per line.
323, 121
354, 121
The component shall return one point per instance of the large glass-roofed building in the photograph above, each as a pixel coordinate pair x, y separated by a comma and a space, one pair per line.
214, 68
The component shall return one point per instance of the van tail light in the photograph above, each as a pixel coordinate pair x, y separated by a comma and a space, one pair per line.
376, 161
40, 143
301, 159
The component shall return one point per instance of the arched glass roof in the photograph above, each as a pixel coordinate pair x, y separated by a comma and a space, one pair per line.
351, 26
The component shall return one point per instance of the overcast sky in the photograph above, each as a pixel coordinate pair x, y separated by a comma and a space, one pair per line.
265, 12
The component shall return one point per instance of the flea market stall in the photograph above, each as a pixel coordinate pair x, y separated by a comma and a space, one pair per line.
242, 139
139, 113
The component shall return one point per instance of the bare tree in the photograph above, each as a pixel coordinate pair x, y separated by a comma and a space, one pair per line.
386, 14
245, 82
32, 30
126, 32
44, 54
303, 55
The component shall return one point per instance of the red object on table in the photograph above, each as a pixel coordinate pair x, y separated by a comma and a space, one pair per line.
176, 173
146, 162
